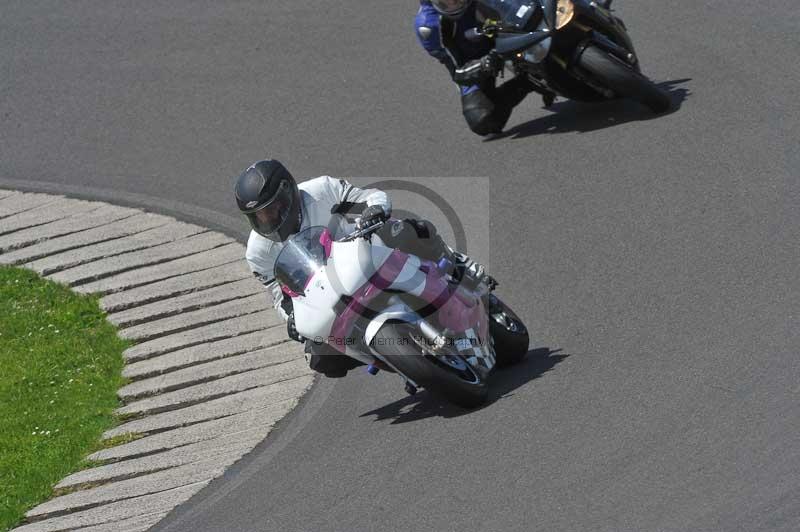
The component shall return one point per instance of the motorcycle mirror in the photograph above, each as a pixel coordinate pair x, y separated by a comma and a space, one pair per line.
473, 35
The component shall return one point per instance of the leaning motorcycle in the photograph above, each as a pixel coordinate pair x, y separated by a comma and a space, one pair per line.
574, 48
395, 311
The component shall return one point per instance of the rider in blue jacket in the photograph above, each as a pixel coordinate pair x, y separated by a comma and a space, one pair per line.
440, 27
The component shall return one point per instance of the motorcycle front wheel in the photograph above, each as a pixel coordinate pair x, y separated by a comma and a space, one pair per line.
447, 376
612, 73
509, 334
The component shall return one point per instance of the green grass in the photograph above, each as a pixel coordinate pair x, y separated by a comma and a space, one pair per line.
60, 368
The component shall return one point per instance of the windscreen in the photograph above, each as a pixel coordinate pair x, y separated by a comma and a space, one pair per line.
302, 256
515, 13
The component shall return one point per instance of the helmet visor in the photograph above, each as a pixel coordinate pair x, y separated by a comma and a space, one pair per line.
449, 7
269, 217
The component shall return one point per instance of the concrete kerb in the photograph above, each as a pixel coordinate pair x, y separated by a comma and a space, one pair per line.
212, 365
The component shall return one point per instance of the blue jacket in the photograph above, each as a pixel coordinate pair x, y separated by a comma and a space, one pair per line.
444, 39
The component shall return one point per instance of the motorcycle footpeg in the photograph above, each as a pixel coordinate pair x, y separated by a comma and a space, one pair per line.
472, 282
548, 99
410, 388
491, 282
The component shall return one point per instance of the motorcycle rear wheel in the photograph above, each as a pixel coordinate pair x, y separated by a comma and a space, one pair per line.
395, 341
623, 79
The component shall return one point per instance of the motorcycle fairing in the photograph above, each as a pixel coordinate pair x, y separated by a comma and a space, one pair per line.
470, 344
314, 311
399, 271
398, 312
338, 292
456, 309
506, 43
549, 7
516, 13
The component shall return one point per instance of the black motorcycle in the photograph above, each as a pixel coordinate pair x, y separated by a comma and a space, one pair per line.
573, 48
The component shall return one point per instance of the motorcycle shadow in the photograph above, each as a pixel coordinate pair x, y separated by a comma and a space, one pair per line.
570, 116
501, 384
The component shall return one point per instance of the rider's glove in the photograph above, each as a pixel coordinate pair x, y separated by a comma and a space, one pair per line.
372, 215
291, 330
476, 71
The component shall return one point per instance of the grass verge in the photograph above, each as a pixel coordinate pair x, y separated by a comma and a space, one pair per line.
60, 369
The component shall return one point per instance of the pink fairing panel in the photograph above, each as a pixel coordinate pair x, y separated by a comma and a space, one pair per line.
377, 283
457, 309
463, 311
326, 239
289, 292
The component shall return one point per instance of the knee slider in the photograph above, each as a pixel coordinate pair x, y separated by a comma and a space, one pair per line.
478, 111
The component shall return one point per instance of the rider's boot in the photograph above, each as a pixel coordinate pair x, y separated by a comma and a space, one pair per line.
507, 96
512, 92
467, 270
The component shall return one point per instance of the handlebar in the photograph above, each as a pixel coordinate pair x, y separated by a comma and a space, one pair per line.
361, 231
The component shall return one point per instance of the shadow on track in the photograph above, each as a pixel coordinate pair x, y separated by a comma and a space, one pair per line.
573, 116
501, 385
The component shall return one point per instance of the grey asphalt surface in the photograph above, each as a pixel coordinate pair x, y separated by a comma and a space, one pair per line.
655, 259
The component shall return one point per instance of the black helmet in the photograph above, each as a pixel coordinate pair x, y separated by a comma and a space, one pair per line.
268, 195
451, 8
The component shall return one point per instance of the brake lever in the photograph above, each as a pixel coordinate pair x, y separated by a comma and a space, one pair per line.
362, 231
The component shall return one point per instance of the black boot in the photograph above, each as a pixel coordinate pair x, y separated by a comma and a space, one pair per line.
466, 270
507, 96
512, 92
324, 359
481, 113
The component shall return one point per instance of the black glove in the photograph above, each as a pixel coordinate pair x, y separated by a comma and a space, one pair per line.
291, 330
476, 71
372, 215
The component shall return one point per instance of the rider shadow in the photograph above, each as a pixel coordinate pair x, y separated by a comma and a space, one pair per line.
573, 116
501, 385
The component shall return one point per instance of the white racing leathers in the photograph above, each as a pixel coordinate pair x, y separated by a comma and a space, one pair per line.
318, 197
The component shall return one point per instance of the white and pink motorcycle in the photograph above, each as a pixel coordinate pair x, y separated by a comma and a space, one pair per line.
395, 311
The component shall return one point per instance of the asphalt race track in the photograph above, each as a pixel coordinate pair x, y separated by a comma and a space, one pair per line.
655, 259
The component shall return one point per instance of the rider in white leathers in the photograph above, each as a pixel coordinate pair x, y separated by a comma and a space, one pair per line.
278, 207
317, 198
